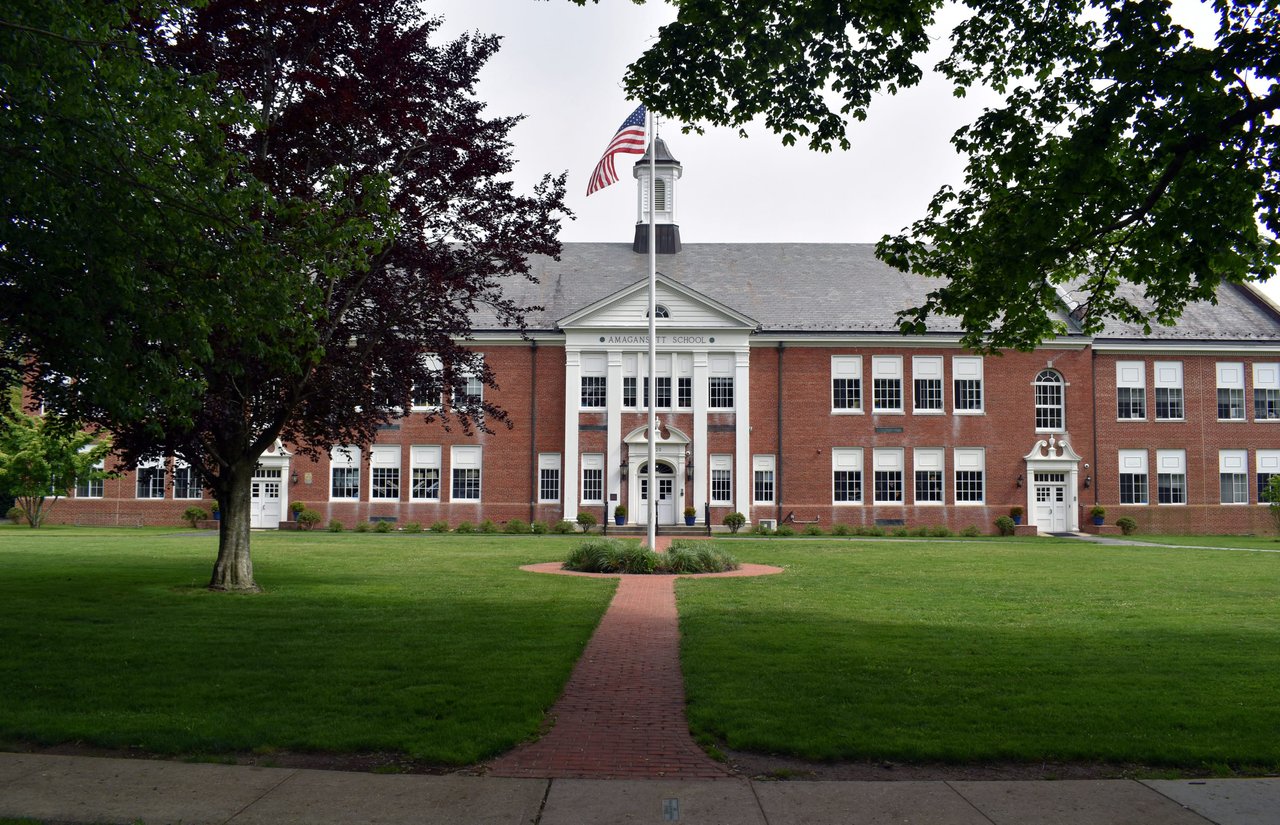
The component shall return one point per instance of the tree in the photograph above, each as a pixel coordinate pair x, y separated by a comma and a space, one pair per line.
41, 460
1124, 153
1271, 495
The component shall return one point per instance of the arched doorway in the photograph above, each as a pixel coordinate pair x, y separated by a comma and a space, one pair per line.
666, 498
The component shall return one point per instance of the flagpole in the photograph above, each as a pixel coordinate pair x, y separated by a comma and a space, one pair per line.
653, 332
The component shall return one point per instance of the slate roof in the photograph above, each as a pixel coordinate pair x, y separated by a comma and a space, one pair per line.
814, 288
1241, 314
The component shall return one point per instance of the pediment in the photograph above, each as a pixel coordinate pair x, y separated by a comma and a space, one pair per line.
686, 309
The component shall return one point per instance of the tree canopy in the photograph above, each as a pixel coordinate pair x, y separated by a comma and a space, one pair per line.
1125, 152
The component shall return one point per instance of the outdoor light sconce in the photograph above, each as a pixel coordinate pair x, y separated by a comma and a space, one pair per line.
1087, 481
1020, 480
688, 465
294, 477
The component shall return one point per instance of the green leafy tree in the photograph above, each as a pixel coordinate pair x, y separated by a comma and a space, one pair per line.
42, 459
1271, 495
1124, 153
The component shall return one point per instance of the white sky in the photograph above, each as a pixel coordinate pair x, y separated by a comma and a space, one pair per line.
561, 66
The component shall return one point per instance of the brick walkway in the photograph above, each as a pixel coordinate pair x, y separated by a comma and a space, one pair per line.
622, 713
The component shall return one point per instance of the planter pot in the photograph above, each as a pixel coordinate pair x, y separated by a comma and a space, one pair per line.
217, 516
620, 520
1098, 521
690, 521
1017, 519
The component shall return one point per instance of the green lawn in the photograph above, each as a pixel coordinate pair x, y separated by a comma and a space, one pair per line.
1022, 650
438, 647
1264, 542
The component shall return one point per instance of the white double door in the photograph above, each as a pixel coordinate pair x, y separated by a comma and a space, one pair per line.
264, 500
666, 482
1051, 502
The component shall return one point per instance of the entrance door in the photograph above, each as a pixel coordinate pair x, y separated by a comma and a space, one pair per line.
264, 501
666, 495
1051, 502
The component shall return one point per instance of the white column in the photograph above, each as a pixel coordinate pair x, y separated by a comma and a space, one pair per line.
742, 431
572, 399
613, 450
699, 452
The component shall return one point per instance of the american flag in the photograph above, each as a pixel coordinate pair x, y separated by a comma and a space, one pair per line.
628, 140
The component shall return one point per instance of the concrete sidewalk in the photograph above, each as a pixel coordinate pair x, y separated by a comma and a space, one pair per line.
73, 789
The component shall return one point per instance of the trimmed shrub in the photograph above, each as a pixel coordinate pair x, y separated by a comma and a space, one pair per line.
441, 526
841, 530
515, 526
190, 515
1005, 525
362, 527
487, 526
1127, 525
15, 514
465, 527
586, 520
972, 531
382, 527
899, 532
734, 521
785, 530
307, 519
412, 527
564, 527
918, 532
335, 526
539, 528
761, 530
939, 532
813, 530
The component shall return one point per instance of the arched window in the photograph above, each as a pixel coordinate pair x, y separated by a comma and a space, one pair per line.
1049, 401
659, 311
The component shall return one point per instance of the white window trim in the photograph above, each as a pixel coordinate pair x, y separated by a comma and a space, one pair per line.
768, 464
916, 362
344, 455
893, 363
962, 460
855, 464
421, 458
916, 466
959, 371
550, 461
847, 366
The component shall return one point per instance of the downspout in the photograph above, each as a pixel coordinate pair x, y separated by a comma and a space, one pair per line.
1093, 377
777, 493
533, 429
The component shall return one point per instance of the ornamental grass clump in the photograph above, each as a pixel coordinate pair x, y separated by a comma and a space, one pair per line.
605, 555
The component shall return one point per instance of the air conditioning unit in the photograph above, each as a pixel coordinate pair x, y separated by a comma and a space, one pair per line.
768, 524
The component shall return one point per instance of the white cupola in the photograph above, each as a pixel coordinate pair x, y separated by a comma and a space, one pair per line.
666, 229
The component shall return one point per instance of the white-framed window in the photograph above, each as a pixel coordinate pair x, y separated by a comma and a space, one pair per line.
1169, 399
186, 481
720, 392
966, 379
928, 464
422, 398
384, 472
1171, 476
1233, 476
846, 475
926, 383
595, 392
424, 472
763, 468
1268, 465
629, 395
1266, 392
846, 384
1133, 477
471, 396
548, 477
1050, 403
464, 462
721, 479
92, 487
1230, 391
593, 478
344, 473
150, 478
1131, 390
684, 392
886, 383
887, 475
971, 476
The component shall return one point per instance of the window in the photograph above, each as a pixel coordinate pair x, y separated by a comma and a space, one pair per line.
928, 471
971, 468
92, 487
1230, 392
1266, 392
1268, 465
1171, 476
427, 397
594, 391
659, 311
1049, 403
762, 471
1233, 476
1133, 476
966, 373
424, 470
629, 391
151, 479
846, 474
846, 383
1131, 390
722, 479
593, 478
471, 395
684, 392
344, 473
1169, 406
721, 392
465, 462
663, 398
888, 476
886, 383
549, 477
186, 482
384, 472
926, 380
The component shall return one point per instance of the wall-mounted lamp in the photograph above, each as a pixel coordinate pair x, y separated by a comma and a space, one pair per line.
1019, 479
294, 477
1087, 481
688, 464
622, 468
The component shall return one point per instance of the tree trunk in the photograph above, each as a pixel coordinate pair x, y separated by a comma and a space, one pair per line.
233, 571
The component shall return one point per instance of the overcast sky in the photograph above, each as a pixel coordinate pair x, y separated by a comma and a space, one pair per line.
561, 66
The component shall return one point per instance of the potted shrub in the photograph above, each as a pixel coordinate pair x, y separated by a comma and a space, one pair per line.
690, 516
296, 507
1099, 514
1015, 513
620, 515
217, 514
